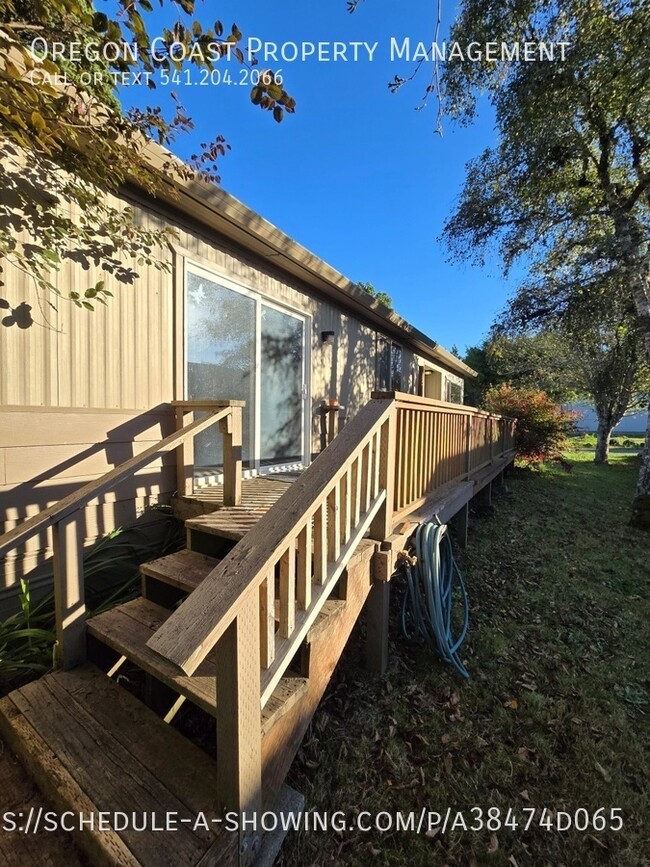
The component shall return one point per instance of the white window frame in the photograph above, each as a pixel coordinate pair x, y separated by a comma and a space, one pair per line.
217, 276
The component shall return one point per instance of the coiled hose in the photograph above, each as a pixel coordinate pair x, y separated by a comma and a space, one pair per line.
429, 599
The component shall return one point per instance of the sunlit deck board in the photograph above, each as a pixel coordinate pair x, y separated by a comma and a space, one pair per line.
204, 510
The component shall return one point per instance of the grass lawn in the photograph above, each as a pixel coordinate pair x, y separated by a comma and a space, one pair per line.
556, 711
621, 440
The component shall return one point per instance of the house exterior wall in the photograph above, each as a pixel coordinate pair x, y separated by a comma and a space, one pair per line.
434, 381
82, 391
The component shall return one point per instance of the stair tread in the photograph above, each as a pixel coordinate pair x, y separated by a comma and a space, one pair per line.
127, 628
92, 746
231, 522
184, 569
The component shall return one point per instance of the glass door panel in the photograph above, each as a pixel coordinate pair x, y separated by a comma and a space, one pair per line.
282, 378
221, 329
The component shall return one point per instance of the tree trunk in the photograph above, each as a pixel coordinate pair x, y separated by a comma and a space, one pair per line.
637, 261
641, 505
603, 436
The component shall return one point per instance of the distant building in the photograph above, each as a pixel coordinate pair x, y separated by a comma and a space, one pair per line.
633, 423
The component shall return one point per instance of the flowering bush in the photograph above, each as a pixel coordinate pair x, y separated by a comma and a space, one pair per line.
542, 426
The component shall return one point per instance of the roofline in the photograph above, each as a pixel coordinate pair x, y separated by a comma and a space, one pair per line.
216, 208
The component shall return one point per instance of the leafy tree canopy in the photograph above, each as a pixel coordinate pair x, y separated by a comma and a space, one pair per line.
65, 138
568, 183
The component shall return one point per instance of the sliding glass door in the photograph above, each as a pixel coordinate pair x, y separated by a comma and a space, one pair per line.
240, 347
282, 387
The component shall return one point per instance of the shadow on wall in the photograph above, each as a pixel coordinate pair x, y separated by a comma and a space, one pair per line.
124, 504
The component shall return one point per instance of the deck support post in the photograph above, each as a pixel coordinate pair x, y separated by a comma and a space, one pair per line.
231, 428
485, 495
69, 603
239, 739
461, 525
377, 610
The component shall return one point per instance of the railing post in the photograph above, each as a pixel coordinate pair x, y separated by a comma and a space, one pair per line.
382, 524
231, 428
184, 458
239, 732
469, 444
69, 606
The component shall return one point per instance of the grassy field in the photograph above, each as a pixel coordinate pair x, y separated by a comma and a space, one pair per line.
623, 440
556, 711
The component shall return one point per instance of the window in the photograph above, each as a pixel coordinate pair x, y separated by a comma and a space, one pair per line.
388, 371
453, 392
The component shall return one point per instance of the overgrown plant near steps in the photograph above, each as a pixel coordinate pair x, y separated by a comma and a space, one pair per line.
111, 573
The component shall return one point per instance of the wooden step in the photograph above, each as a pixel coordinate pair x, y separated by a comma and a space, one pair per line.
231, 522
184, 570
93, 747
127, 628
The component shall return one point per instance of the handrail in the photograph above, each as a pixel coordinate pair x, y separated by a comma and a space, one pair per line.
193, 629
88, 492
67, 538
404, 399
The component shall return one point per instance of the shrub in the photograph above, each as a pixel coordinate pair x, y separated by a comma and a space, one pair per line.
542, 428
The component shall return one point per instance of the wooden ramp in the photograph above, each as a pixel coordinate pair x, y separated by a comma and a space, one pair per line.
92, 747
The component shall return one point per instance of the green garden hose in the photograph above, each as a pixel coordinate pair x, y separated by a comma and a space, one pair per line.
428, 604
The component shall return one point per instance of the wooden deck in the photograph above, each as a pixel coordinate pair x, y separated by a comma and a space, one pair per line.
247, 624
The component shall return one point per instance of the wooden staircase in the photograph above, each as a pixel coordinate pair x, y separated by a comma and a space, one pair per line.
247, 624
94, 748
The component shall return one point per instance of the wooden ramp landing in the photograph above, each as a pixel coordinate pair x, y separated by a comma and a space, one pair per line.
93, 747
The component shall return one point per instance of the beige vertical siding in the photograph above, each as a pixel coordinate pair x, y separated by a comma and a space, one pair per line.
88, 382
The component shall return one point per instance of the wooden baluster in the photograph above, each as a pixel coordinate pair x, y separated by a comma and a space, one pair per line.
356, 492
382, 524
69, 604
399, 459
231, 428
303, 583
346, 506
320, 544
184, 457
334, 523
288, 591
267, 620
408, 457
366, 477
376, 462
429, 450
468, 445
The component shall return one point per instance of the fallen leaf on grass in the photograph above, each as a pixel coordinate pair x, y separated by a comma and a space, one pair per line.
524, 795
512, 860
603, 772
597, 841
493, 845
513, 704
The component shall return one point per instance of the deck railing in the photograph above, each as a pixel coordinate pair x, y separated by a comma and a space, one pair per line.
387, 460
67, 529
439, 443
393, 455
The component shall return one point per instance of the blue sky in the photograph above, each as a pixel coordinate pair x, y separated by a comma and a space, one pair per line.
357, 174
